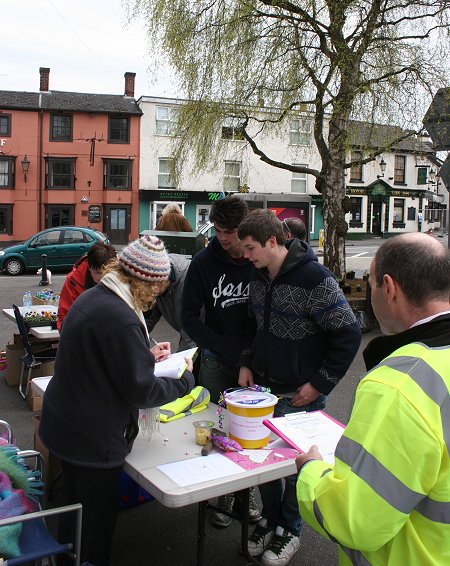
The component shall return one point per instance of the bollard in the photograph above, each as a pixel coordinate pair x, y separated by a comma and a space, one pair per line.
44, 277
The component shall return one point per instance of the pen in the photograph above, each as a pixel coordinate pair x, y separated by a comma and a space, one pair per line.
154, 341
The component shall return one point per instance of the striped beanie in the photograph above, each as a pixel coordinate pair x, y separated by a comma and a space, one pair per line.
146, 259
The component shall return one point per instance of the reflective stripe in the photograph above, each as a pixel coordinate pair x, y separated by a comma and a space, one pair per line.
437, 511
431, 383
379, 478
354, 555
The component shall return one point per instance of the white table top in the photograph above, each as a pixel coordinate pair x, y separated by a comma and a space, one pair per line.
44, 332
141, 464
39, 384
9, 313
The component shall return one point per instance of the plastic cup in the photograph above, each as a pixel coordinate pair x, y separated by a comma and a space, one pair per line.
202, 431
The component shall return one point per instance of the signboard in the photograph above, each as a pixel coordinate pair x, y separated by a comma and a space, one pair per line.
95, 214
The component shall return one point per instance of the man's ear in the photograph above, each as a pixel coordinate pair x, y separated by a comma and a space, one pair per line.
272, 241
390, 288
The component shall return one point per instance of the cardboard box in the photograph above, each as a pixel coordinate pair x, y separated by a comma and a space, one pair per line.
14, 354
52, 465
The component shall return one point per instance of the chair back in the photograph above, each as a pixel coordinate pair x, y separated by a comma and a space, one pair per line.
23, 334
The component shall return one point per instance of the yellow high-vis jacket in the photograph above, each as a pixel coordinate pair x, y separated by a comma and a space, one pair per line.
386, 500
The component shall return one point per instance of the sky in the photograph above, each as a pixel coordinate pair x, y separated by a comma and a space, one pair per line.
87, 44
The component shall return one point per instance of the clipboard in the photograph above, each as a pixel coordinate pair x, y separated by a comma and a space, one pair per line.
303, 429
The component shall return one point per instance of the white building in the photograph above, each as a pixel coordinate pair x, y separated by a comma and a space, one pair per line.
398, 199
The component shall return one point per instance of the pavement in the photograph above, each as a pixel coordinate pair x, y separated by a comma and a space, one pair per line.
151, 534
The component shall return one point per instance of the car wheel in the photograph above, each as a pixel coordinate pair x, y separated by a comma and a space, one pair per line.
14, 266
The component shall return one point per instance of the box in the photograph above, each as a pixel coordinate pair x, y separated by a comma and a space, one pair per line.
14, 354
52, 465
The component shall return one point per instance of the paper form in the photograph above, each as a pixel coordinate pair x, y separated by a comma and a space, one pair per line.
302, 430
199, 470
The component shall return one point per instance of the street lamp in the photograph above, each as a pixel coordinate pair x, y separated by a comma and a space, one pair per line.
382, 165
432, 176
25, 166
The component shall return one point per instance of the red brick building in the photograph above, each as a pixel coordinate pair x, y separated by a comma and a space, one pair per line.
69, 158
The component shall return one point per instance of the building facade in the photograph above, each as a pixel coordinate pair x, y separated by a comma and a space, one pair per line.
69, 158
394, 194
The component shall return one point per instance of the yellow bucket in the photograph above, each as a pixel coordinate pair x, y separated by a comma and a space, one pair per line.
247, 410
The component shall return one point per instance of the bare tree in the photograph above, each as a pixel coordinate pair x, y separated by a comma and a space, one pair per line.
329, 61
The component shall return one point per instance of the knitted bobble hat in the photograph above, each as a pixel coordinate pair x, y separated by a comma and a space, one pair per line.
146, 259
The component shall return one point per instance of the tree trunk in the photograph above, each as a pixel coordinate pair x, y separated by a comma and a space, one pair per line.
333, 193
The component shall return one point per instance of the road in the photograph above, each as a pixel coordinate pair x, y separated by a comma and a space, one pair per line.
150, 533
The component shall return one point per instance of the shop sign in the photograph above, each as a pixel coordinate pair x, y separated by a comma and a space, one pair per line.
95, 214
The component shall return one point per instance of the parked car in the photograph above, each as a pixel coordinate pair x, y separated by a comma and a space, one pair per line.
63, 246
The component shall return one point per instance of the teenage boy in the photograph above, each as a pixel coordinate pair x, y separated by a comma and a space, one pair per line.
216, 285
306, 338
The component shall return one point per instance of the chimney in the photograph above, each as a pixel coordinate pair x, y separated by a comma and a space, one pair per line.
129, 84
45, 73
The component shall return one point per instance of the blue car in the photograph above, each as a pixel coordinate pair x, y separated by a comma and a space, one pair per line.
63, 247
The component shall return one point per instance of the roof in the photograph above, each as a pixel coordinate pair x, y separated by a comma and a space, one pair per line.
69, 102
367, 135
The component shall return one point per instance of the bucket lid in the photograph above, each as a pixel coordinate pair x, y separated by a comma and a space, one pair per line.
248, 398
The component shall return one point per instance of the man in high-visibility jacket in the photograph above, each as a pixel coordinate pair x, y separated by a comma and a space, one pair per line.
386, 499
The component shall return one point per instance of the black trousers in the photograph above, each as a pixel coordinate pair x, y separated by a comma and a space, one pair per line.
97, 489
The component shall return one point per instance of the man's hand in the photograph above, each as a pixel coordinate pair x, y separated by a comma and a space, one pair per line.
305, 395
161, 351
245, 377
190, 364
312, 454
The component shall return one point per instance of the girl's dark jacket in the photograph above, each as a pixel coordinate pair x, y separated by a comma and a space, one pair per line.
103, 375
306, 330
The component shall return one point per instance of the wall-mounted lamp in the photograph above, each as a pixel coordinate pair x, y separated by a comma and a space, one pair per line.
25, 166
432, 177
84, 200
382, 165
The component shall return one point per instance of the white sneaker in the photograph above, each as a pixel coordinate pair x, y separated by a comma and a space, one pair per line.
260, 539
282, 548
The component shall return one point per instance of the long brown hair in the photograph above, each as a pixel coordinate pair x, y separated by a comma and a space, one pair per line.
144, 293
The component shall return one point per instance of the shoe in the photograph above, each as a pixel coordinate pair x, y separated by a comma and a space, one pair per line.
260, 539
254, 514
282, 548
226, 503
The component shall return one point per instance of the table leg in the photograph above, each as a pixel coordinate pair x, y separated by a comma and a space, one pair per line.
201, 531
244, 529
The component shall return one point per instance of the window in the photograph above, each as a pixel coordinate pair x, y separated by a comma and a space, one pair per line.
166, 120
119, 129
399, 169
60, 127
399, 211
60, 173
7, 165
117, 174
59, 216
356, 212
6, 219
47, 239
422, 175
300, 131
232, 128
76, 237
5, 124
232, 176
166, 179
298, 181
356, 170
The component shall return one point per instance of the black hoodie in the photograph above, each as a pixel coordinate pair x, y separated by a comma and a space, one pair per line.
219, 284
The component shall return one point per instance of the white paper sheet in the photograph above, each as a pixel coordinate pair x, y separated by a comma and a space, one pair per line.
175, 364
201, 469
305, 429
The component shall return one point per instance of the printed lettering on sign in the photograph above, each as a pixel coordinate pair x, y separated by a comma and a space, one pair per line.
230, 293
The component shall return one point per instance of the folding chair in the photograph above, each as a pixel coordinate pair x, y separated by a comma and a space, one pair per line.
30, 360
35, 541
